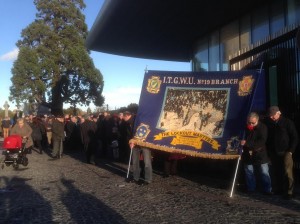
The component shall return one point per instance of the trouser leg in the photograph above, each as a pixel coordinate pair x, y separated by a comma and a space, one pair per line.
288, 168
250, 178
265, 177
148, 164
136, 163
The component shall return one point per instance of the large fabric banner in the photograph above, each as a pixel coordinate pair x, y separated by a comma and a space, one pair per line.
200, 114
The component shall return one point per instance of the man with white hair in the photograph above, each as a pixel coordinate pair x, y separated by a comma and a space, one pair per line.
282, 142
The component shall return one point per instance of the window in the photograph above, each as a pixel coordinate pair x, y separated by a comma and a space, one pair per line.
260, 24
245, 31
214, 53
293, 15
229, 43
200, 60
276, 17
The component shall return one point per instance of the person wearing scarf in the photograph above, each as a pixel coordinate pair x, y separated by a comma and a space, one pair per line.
255, 155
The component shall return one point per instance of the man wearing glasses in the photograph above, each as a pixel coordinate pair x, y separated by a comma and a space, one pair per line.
255, 154
282, 142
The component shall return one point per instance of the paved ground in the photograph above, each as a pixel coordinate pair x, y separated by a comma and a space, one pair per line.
70, 191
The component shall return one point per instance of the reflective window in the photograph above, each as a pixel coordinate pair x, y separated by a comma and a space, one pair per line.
260, 24
200, 60
229, 43
293, 11
245, 34
276, 17
214, 53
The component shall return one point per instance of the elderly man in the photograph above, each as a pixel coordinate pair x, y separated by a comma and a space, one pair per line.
255, 154
282, 143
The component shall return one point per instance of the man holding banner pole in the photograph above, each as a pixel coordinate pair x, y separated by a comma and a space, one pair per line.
146, 152
135, 152
255, 154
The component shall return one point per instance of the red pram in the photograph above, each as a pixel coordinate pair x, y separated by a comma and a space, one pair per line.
14, 151
12, 142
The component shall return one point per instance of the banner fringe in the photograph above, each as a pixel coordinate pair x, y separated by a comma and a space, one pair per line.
184, 152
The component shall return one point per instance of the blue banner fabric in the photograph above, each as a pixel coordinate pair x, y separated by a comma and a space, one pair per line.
200, 114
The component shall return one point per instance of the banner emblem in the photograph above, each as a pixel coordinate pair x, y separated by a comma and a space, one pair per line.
154, 84
142, 131
245, 86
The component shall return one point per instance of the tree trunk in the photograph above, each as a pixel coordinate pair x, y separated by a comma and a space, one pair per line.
57, 100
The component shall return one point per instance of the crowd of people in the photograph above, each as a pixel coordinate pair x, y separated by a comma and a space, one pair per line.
104, 135
268, 145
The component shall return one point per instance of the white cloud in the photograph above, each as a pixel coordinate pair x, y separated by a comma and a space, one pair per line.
10, 56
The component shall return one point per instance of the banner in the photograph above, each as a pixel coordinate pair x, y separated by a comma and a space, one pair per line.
200, 114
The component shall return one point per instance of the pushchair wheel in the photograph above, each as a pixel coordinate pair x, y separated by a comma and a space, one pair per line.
25, 161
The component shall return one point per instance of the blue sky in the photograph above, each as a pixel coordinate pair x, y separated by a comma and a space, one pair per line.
123, 76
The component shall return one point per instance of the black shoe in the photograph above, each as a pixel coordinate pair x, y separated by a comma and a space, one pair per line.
139, 182
278, 192
288, 197
129, 180
270, 193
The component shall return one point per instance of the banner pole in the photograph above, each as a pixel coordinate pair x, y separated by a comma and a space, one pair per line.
128, 170
261, 67
235, 174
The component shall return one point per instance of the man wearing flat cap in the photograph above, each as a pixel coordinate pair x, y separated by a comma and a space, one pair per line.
281, 144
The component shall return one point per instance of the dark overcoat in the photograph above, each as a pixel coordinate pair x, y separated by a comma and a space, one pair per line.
256, 143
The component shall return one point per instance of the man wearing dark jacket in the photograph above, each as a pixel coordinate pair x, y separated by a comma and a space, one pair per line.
282, 142
58, 136
255, 154
88, 136
71, 140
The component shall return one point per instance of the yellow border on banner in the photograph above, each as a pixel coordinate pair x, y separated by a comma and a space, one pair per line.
184, 152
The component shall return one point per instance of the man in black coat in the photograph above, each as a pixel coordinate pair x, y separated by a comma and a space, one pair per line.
126, 133
88, 137
71, 141
282, 143
255, 154
58, 136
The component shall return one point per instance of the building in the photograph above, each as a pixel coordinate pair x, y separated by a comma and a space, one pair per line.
213, 35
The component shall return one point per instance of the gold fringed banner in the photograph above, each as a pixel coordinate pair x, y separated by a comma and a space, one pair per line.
199, 114
184, 152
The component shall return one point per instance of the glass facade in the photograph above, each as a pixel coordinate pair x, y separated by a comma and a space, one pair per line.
213, 52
